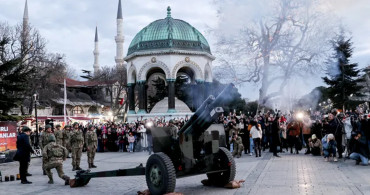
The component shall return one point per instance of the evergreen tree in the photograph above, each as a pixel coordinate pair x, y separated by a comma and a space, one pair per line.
343, 76
13, 83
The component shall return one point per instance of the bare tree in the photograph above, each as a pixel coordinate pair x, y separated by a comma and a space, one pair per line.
270, 50
115, 81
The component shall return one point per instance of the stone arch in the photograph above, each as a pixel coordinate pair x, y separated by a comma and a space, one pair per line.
93, 110
147, 66
131, 74
208, 73
192, 65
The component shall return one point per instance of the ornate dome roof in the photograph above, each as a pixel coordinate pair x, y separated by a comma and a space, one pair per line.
169, 33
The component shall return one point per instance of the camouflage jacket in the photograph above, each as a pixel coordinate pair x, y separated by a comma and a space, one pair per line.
238, 141
77, 139
91, 139
174, 130
54, 153
66, 136
44, 139
59, 136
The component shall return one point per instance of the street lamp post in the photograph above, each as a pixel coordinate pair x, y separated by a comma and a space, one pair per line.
37, 125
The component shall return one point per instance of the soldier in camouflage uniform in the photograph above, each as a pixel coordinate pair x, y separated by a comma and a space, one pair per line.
91, 144
58, 135
44, 141
77, 143
54, 155
66, 138
238, 145
174, 129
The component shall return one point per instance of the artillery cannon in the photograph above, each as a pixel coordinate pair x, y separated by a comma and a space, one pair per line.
198, 148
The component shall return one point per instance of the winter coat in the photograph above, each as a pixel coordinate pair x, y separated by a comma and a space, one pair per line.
360, 146
335, 127
326, 145
294, 128
275, 131
256, 132
131, 139
316, 143
348, 127
24, 148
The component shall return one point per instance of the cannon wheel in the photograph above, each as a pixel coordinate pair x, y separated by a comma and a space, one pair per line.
223, 160
160, 174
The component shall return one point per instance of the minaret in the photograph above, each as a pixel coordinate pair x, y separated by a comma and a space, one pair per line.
119, 38
25, 16
96, 53
25, 34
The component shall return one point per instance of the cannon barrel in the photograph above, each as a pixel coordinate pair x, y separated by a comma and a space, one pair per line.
209, 112
197, 113
83, 177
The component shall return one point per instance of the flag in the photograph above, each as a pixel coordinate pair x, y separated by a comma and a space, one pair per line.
65, 102
121, 102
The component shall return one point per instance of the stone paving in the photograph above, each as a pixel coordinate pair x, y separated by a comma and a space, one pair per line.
291, 174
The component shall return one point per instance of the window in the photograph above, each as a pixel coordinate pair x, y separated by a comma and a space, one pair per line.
77, 110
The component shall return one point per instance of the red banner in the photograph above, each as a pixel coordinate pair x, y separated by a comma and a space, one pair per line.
8, 136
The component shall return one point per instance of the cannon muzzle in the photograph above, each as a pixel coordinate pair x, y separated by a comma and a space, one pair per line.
208, 112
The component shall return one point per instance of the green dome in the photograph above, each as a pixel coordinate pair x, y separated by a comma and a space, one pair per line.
169, 33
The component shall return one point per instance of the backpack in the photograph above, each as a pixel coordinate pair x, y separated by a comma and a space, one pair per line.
57, 151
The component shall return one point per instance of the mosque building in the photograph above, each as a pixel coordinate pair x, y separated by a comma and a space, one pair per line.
166, 48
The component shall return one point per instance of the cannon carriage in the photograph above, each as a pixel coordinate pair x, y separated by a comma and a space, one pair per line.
199, 148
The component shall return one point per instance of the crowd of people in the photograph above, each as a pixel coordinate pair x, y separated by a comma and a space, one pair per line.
332, 135
335, 135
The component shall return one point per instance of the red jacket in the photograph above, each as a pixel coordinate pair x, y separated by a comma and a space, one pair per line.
294, 128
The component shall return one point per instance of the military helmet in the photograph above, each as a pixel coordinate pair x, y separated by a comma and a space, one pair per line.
47, 126
25, 129
58, 125
171, 121
67, 126
51, 138
75, 123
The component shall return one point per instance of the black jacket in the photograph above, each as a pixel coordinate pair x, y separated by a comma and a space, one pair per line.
360, 146
335, 127
24, 148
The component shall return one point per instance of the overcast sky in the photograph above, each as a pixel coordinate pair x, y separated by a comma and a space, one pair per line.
69, 25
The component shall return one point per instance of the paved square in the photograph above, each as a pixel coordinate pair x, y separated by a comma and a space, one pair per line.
291, 174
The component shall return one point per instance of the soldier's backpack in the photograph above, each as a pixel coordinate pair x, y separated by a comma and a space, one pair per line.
57, 151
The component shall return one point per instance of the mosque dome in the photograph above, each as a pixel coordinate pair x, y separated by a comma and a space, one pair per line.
169, 33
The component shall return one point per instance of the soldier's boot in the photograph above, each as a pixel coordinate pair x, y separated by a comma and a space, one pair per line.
66, 180
51, 181
93, 166
78, 168
90, 166
74, 168
44, 172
